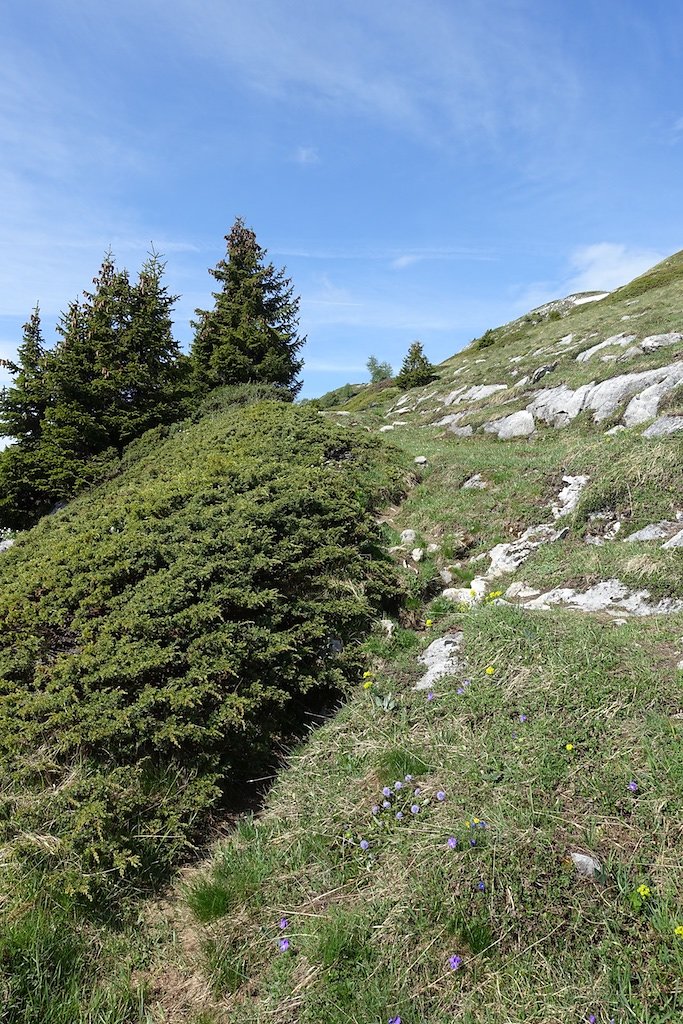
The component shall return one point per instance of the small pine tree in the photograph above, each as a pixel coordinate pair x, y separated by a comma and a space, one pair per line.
378, 371
416, 369
251, 334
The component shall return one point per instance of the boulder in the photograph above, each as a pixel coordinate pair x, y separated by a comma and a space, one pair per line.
408, 537
657, 341
542, 371
674, 542
517, 424
508, 557
622, 340
420, 460
587, 867
466, 431
441, 659
664, 425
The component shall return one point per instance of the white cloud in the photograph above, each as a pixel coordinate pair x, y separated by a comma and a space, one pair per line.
678, 127
605, 266
307, 156
401, 262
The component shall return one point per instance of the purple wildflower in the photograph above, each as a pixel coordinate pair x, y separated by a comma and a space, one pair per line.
386, 791
481, 886
364, 844
441, 795
385, 803
417, 791
394, 1020
415, 809
522, 718
283, 923
430, 695
375, 809
460, 691
633, 786
283, 945
455, 962
452, 843
398, 785
592, 1018
408, 778
473, 842
399, 815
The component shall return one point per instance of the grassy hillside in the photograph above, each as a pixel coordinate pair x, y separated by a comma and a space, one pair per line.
553, 733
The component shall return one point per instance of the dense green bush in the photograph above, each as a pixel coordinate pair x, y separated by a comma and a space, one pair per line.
161, 631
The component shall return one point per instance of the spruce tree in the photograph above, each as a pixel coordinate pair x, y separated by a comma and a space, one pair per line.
416, 369
251, 334
23, 403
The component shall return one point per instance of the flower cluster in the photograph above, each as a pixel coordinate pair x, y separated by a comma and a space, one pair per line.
368, 680
283, 943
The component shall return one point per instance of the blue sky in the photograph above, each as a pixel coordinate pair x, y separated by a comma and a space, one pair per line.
424, 169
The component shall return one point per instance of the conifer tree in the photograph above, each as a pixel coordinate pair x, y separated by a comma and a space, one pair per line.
416, 369
23, 403
251, 334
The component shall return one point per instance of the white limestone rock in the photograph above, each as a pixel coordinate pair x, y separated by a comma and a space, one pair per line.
441, 658
474, 393
417, 554
657, 341
568, 498
655, 531
466, 431
674, 542
609, 596
517, 424
5, 545
475, 483
521, 591
408, 537
663, 426
622, 340
587, 867
508, 557
420, 460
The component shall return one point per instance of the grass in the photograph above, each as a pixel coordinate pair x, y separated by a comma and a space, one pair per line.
371, 931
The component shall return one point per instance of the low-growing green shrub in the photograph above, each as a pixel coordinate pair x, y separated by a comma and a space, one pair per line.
159, 633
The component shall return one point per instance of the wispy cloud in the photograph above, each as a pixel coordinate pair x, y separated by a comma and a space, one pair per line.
602, 266
433, 69
307, 156
605, 266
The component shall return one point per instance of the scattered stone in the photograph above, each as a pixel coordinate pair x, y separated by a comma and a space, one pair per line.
521, 591
517, 424
432, 549
567, 340
508, 557
587, 867
462, 431
408, 536
388, 627
446, 575
657, 341
446, 421
568, 498
679, 666
475, 483
615, 430
521, 382
417, 554
441, 659
609, 596
462, 595
655, 531
387, 427
474, 393
543, 371
341, 412
420, 460
675, 542
622, 340
5, 545
664, 425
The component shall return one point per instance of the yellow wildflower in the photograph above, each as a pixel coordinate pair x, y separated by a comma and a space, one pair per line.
367, 684
367, 675
644, 891
490, 670
569, 747
678, 930
428, 623
467, 824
